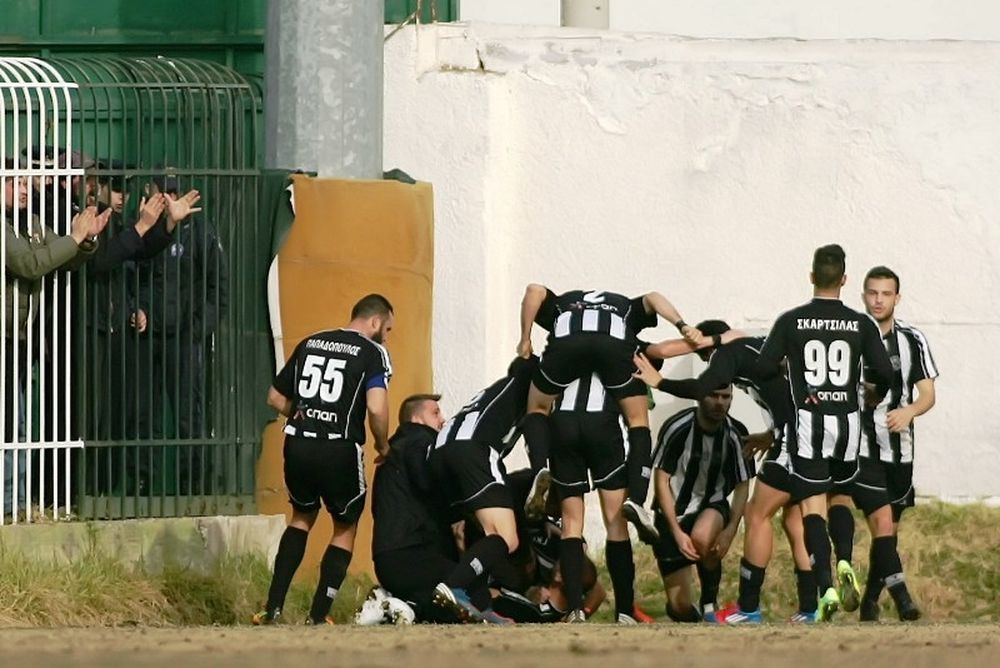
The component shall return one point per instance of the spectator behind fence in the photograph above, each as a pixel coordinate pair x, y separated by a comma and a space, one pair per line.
152, 341
183, 297
33, 251
113, 357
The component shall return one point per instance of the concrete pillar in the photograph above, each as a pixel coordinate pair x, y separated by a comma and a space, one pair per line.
323, 79
585, 13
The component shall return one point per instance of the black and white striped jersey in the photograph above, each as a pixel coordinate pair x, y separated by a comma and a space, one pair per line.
491, 416
912, 362
327, 379
586, 395
704, 467
736, 362
824, 343
593, 312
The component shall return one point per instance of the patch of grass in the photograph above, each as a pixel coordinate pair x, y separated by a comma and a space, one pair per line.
99, 590
951, 557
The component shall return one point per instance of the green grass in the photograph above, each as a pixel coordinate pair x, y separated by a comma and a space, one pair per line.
951, 555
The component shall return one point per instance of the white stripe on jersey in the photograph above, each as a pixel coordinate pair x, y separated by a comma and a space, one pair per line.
807, 448
468, 428
617, 326
562, 324
926, 358
591, 319
595, 400
568, 400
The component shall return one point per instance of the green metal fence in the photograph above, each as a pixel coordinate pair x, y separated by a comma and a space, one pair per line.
166, 387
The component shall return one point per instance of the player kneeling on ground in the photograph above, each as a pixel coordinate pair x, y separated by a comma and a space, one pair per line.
698, 463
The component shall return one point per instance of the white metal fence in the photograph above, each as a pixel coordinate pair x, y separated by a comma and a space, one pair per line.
43, 184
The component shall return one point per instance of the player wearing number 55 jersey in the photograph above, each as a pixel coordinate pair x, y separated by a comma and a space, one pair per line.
332, 380
824, 344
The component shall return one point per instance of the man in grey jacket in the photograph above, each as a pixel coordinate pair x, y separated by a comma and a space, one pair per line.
32, 250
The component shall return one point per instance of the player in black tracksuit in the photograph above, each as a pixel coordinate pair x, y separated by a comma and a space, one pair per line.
412, 544
331, 381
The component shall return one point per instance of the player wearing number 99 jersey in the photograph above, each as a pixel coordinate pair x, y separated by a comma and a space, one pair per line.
332, 380
824, 344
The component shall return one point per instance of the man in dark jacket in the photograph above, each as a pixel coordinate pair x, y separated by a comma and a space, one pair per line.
412, 543
183, 296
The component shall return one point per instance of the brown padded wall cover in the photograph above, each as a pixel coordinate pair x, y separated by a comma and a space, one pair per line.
351, 238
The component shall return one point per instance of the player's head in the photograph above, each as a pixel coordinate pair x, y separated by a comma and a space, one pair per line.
422, 409
828, 267
373, 317
714, 407
881, 293
710, 328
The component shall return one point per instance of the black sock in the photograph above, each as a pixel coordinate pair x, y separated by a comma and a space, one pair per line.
751, 580
889, 566
291, 549
842, 532
710, 579
332, 571
537, 433
621, 568
639, 464
806, 585
818, 547
874, 584
571, 567
478, 559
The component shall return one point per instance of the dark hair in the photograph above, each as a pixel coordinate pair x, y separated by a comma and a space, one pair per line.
713, 327
882, 271
8, 163
371, 305
412, 403
828, 266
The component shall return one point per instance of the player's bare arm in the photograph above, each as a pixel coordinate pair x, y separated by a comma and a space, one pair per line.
279, 402
669, 348
665, 497
534, 295
654, 302
378, 418
725, 537
899, 419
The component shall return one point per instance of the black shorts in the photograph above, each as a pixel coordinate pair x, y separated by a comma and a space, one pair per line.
411, 573
330, 470
801, 477
568, 358
587, 447
669, 557
883, 484
472, 475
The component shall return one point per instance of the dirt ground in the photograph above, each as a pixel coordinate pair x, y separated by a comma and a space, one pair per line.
584, 646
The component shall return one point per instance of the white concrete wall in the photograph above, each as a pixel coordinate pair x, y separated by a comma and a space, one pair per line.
802, 19
710, 170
